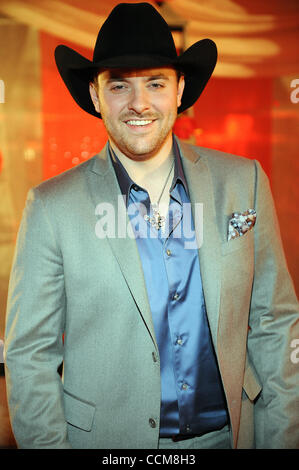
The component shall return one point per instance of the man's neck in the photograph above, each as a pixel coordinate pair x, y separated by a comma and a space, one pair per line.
144, 171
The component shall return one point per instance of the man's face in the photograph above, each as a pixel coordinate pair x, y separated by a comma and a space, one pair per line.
139, 108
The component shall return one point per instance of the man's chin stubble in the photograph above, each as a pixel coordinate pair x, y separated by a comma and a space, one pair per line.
142, 151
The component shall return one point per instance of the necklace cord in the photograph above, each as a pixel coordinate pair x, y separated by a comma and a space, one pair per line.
157, 203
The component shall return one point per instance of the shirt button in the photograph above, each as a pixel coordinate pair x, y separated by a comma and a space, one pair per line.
168, 252
135, 187
184, 386
152, 423
179, 341
176, 296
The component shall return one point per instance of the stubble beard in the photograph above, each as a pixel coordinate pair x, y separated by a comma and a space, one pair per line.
139, 147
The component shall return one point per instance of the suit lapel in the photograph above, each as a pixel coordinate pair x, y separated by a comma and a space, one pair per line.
104, 187
200, 188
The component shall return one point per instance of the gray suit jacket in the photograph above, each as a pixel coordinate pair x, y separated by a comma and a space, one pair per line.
65, 280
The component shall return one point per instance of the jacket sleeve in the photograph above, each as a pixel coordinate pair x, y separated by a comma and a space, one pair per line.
274, 325
34, 333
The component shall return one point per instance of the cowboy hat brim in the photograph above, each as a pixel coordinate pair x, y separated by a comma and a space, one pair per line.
196, 63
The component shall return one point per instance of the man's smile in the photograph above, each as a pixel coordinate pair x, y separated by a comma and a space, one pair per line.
139, 124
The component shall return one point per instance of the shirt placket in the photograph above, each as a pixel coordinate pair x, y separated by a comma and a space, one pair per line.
171, 250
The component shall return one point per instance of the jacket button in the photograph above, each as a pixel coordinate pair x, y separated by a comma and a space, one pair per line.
152, 423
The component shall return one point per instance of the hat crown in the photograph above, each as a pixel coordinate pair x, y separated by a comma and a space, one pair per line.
134, 29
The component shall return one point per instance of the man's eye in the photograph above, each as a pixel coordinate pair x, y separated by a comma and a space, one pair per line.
156, 85
117, 88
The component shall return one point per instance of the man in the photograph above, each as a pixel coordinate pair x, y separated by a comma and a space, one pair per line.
177, 323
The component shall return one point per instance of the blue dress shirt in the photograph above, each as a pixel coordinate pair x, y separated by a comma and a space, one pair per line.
192, 396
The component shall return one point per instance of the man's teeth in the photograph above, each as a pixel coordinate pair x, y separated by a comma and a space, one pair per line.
139, 123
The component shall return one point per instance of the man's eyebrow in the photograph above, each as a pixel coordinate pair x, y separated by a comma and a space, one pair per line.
120, 78
116, 78
158, 76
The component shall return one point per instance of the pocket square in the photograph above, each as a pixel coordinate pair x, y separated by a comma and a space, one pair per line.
240, 223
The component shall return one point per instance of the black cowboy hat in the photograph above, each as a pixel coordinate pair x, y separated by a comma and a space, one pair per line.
136, 36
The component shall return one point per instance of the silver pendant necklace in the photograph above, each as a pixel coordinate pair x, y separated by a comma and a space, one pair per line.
157, 220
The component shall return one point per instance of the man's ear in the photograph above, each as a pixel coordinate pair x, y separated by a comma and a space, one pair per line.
94, 97
181, 86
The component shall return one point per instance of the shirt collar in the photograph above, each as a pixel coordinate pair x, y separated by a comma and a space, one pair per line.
126, 183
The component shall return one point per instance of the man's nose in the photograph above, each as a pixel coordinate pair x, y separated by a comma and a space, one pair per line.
139, 100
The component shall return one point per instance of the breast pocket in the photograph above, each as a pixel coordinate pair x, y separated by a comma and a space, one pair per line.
245, 242
238, 269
